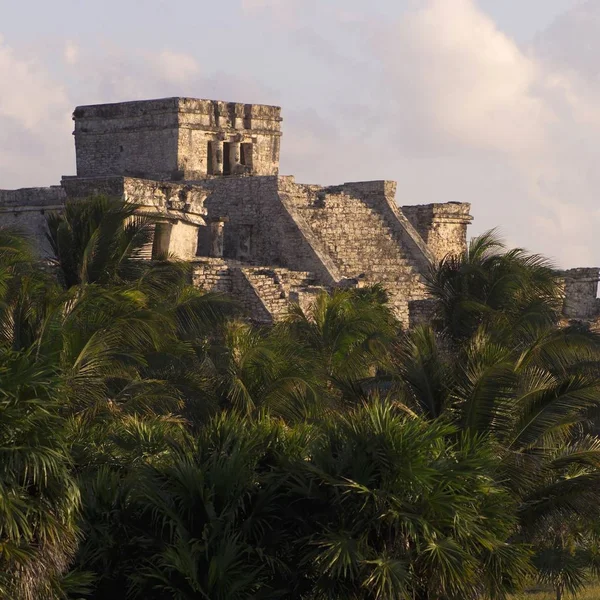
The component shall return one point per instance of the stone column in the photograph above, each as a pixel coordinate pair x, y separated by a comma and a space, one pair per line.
217, 157
162, 240
235, 157
443, 227
217, 231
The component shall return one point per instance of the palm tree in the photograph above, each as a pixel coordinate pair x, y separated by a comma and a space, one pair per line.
346, 334
190, 516
332, 456
369, 505
125, 326
258, 368
417, 511
27, 290
96, 240
497, 364
506, 290
40, 499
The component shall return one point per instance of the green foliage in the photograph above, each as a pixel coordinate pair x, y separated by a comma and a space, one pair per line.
39, 498
494, 287
154, 445
95, 241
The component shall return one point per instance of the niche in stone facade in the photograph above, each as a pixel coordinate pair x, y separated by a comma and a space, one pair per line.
203, 247
244, 246
227, 158
210, 169
246, 156
217, 236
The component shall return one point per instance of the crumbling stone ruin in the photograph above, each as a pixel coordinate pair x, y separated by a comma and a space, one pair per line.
580, 294
209, 171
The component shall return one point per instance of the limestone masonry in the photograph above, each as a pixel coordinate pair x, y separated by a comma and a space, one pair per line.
209, 172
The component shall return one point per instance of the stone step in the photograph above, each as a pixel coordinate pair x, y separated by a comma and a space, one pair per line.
278, 288
267, 287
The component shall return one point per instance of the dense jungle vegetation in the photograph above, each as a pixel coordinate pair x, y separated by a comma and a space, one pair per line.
156, 445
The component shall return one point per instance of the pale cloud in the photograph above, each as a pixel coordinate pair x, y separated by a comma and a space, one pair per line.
176, 67
287, 13
280, 9
257, 5
71, 52
34, 112
36, 147
457, 74
460, 86
28, 94
438, 98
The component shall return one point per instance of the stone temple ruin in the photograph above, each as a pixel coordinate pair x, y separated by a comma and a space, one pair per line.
209, 171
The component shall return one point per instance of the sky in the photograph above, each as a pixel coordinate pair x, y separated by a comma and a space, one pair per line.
492, 102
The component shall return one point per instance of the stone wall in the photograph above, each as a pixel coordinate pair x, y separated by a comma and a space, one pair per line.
443, 227
138, 139
581, 291
26, 209
177, 138
359, 227
182, 205
207, 171
184, 240
164, 198
260, 227
212, 275
265, 293
421, 312
255, 125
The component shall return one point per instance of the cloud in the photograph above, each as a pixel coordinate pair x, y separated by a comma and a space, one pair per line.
287, 13
258, 5
458, 88
460, 76
176, 67
36, 147
27, 92
435, 96
34, 111
71, 52
112, 74
281, 10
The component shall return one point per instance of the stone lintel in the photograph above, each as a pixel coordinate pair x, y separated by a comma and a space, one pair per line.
176, 200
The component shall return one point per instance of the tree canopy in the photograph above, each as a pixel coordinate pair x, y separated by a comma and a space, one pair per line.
156, 444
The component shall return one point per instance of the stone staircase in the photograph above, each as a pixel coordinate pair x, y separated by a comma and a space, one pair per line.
363, 237
213, 274
266, 292
277, 288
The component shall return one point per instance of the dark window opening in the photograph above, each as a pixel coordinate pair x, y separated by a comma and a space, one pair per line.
210, 168
203, 247
226, 158
246, 155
